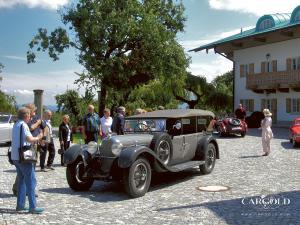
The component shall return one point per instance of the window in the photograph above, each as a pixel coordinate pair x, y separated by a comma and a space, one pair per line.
265, 24
245, 69
296, 63
248, 104
293, 105
266, 67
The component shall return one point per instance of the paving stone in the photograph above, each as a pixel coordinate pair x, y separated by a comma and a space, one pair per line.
173, 198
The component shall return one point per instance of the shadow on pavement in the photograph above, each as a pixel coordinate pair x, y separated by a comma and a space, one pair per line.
279, 133
11, 211
6, 195
275, 211
113, 191
250, 156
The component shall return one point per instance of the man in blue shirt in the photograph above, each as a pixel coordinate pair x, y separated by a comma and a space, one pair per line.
91, 125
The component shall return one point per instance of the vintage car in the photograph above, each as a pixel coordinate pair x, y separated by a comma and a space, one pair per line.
6, 125
231, 125
295, 132
164, 140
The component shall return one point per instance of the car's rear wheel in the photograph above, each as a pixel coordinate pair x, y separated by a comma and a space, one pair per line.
75, 179
162, 145
137, 178
209, 158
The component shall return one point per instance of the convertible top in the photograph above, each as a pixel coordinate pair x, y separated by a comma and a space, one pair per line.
173, 113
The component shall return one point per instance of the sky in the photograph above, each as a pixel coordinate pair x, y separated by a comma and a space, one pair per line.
207, 21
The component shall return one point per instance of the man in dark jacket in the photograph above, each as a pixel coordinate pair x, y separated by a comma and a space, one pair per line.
119, 121
91, 125
240, 112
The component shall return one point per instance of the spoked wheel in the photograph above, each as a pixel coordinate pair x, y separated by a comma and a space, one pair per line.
161, 144
163, 151
137, 178
75, 177
210, 159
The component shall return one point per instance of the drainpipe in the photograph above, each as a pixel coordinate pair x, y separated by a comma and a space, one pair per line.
233, 71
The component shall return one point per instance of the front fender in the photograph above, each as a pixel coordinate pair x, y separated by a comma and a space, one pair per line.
202, 146
129, 155
72, 153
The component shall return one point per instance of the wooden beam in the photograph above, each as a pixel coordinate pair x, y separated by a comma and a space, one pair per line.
260, 39
238, 45
287, 33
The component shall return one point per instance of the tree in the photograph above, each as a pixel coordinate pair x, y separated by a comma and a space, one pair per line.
73, 104
198, 87
121, 44
221, 98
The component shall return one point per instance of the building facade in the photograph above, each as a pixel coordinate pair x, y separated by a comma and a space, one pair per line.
266, 63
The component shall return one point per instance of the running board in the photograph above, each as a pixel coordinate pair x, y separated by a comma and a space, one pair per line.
184, 166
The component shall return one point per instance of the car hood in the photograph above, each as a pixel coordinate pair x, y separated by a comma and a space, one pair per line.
133, 139
125, 141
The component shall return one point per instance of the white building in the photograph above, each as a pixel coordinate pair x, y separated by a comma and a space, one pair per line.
266, 64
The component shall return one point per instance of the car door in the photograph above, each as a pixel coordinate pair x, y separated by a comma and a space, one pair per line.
189, 131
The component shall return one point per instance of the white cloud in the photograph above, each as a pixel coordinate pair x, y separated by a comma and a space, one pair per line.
212, 69
21, 85
256, 7
15, 57
47, 4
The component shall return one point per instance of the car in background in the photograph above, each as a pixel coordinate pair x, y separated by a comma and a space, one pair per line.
231, 125
295, 132
6, 124
160, 141
254, 120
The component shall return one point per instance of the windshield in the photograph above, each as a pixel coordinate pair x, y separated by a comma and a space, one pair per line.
4, 118
145, 125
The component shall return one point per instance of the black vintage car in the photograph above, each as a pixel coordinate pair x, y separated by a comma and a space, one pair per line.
164, 140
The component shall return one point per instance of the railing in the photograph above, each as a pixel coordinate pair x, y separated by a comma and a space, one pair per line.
273, 80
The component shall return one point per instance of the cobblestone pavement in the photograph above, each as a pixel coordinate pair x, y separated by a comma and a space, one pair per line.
174, 198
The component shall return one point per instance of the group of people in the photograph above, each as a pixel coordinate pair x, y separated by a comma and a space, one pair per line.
95, 127
30, 129
266, 125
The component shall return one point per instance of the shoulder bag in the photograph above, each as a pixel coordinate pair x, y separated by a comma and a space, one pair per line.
27, 153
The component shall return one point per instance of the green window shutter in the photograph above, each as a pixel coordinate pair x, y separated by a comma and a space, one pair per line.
263, 104
242, 70
288, 105
251, 105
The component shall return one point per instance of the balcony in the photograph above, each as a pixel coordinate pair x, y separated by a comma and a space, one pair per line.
274, 81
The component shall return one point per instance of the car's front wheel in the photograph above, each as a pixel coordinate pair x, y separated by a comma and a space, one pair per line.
75, 172
137, 178
294, 141
243, 133
210, 159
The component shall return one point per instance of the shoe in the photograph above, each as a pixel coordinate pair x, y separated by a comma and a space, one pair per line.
266, 154
50, 167
15, 193
44, 170
36, 210
22, 209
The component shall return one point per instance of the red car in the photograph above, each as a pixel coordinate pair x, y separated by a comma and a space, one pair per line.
231, 126
295, 132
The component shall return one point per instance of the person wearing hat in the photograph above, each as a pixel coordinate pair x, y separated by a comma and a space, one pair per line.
119, 121
267, 133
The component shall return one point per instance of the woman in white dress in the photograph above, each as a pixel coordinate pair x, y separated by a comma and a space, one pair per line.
267, 133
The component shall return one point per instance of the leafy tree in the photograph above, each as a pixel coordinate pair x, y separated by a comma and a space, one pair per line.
7, 102
197, 89
221, 98
73, 104
121, 44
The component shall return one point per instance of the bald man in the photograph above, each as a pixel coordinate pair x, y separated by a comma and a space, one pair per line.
91, 125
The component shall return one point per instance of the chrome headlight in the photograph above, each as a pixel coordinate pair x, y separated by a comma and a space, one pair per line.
92, 147
116, 148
